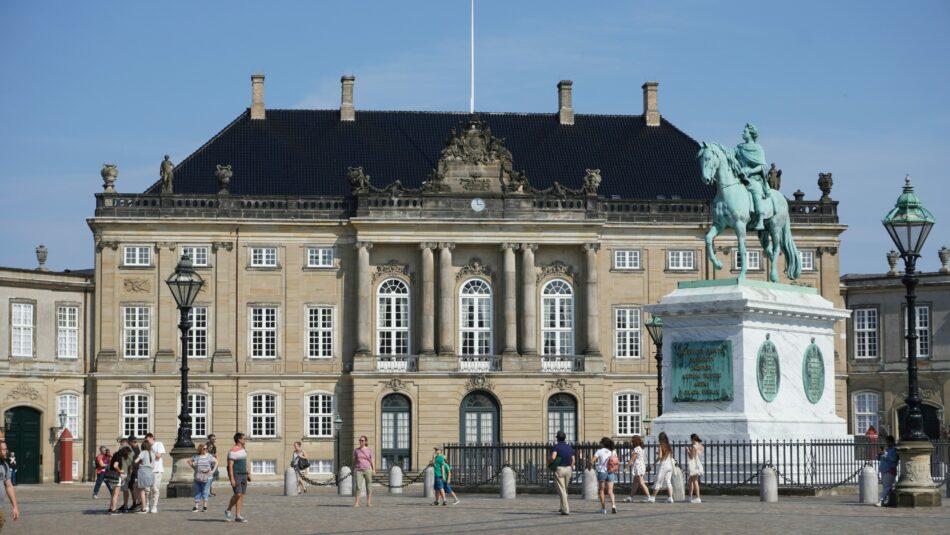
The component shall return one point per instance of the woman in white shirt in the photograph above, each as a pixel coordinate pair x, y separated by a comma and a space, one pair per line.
606, 464
695, 464
638, 469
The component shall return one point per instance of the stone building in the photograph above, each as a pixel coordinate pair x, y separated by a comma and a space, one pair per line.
422, 277
877, 352
44, 360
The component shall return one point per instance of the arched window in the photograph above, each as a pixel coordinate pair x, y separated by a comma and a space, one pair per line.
866, 405
69, 404
135, 414
392, 318
628, 413
319, 415
562, 416
557, 318
480, 419
475, 313
263, 413
396, 432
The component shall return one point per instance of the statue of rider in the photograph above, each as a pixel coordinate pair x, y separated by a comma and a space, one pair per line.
754, 170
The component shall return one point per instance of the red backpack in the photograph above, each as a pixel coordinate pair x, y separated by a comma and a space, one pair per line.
613, 463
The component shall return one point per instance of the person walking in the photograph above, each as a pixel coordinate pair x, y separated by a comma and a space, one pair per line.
664, 479
213, 451
299, 462
887, 466
145, 475
239, 476
365, 468
562, 461
120, 465
694, 464
638, 470
102, 466
443, 478
606, 464
204, 464
134, 474
6, 486
158, 470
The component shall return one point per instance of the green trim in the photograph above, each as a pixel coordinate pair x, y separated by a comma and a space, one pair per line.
684, 285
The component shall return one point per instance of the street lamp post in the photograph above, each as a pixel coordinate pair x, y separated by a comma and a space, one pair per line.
908, 224
654, 326
337, 429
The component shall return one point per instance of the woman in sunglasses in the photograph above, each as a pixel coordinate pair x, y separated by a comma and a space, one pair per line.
364, 466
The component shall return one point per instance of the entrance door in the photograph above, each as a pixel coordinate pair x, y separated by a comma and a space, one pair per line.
396, 445
562, 416
931, 422
479, 419
23, 438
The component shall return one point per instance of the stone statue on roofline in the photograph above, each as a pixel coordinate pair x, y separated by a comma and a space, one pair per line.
592, 182
359, 181
167, 173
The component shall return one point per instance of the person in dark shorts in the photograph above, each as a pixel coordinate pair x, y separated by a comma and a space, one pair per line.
239, 476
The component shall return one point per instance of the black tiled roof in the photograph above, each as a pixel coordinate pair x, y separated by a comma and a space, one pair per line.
307, 152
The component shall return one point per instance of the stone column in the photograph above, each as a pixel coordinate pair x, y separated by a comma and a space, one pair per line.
427, 339
529, 317
446, 294
593, 311
511, 300
364, 294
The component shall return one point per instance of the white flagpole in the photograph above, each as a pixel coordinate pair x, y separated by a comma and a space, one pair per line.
471, 104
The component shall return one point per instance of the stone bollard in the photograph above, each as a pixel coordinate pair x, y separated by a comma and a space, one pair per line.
344, 486
768, 485
867, 485
290, 482
395, 480
679, 487
589, 480
428, 481
508, 488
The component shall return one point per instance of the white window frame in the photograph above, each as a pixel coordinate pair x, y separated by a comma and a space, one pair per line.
635, 424
67, 331
263, 329
137, 418
753, 257
475, 319
320, 257
806, 258
22, 329
868, 416
263, 467
196, 414
561, 331
321, 466
262, 257
200, 320
627, 259
923, 322
140, 349
200, 254
320, 322
628, 331
866, 338
681, 259
264, 414
392, 329
71, 403
137, 256
323, 420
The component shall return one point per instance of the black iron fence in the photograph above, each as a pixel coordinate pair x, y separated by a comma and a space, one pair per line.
800, 463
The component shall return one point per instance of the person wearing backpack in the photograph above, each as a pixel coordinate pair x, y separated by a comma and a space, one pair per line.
299, 462
607, 465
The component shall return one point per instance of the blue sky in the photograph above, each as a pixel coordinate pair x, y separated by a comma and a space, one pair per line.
858, 89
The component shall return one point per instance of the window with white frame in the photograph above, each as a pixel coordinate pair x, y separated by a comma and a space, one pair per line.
320, 257
753, 259
198, 334
21, 321
922, 320
680, 259
69, 404
475, 312
197, 253
263, 415
67, 332
263, 257
320, 466
320, 415
135, 414
137, 255
866, 405
628, 413
198, 407
557, 318
263, 466
319, 332
627, 259
135, 331
807, 260
865, 333
264, 332
392, 318
627, 332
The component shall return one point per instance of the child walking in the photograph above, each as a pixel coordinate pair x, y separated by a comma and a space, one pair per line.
695, 466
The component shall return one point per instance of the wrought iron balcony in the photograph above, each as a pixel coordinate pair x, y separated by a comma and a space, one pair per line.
562, 363
397, 363
480, 363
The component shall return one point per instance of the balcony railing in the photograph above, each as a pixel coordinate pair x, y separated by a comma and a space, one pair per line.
480, 363
397, 363
562, 363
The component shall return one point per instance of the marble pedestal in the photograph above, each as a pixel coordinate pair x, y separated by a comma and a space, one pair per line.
181, 484
748, 360
916, 488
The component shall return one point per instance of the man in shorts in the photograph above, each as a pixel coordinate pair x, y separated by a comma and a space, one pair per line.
239, 476
6, 486
443, 477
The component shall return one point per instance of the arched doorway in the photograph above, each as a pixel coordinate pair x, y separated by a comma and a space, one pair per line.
562, 415
22, 429
396, 432
931, 422
479, 419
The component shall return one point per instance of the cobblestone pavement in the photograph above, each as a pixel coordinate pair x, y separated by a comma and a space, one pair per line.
49, 509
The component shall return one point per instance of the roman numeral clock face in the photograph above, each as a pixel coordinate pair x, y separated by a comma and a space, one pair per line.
478, 204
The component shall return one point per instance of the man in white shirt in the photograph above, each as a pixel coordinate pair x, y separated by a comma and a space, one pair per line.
158, 469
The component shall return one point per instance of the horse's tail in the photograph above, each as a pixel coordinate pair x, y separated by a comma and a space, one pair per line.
793, 264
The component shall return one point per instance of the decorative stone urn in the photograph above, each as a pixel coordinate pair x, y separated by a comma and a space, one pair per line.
892, 257
41, 254
110, 172
944, 255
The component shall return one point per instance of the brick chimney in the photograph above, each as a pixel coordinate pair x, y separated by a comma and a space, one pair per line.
651, 108
257, 96
347, 111
565, 101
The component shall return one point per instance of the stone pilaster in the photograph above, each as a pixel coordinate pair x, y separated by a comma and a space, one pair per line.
446, 294
593, 314
364, 294
427, 338
511, 299
529, 317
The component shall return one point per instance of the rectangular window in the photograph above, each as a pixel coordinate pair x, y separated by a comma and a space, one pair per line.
679, 260
627, 322
197, 253
320, 257
807, 259
865, 411
137, 255
135, 331
320, 466
627, 259
135, 415
198, 334
319, 415
263, 257
319, 332
923, 331
75, 470
263, 466
753, 259
263, 415
69, 404
67, 332
21, 343
264, 332
198, 407
628, 414
865, 333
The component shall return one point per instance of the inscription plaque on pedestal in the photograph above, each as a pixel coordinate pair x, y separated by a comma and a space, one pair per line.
768, 370
813, 373
702, 371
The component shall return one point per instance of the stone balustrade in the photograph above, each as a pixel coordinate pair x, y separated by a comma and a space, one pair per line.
480, 363
562, 363
397, 363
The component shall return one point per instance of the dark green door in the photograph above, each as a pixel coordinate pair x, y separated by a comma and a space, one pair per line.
23, 438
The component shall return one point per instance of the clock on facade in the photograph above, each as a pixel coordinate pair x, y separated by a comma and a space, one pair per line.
478, 204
